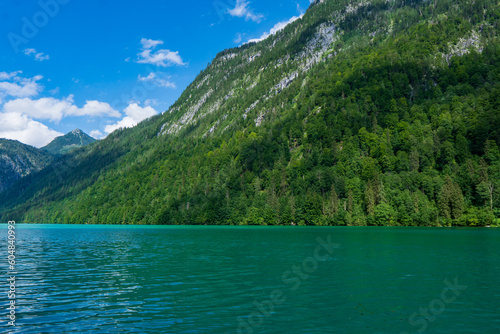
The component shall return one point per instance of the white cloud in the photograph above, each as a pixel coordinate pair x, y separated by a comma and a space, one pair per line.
96, 134
241, 10
138, 113
134, 115
55, 109
151, 102
150, 43
20, 127
238, 38
151, 76
277, 27
95, 108
39, 56
55, 91
161, 57
8, 76
15, 86
156, 80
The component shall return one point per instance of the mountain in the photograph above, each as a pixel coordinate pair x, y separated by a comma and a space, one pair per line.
64, 144
358, 113
18, 160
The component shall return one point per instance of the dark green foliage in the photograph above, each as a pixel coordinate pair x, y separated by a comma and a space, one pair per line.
392, 126
451, 201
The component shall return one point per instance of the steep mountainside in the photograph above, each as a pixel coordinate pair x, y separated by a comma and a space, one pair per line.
64, 144
361, 112
18, 160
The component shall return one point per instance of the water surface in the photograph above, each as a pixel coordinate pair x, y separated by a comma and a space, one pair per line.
132, 279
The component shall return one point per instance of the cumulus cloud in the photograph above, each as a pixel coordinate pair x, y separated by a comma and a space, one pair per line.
134, 114
96, 134
13, 85
156, 80
94, 108
242, 9
54, 109
39, 56
277, 27
22, 128
161, 57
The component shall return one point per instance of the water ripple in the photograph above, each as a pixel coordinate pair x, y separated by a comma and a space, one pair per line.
98, 279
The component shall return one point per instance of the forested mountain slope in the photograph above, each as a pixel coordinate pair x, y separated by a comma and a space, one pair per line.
70, 141
362, 112
18, 160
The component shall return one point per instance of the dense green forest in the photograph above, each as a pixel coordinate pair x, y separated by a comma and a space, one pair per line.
360, 113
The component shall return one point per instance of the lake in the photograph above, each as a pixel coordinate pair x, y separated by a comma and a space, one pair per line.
185, 279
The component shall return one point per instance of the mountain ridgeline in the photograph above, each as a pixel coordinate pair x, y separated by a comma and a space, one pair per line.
65, 144
18, 160
359, 113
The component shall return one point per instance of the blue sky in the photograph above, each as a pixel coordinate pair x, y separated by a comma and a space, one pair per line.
99, 65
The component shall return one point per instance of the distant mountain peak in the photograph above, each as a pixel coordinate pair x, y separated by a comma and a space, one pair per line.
70, 141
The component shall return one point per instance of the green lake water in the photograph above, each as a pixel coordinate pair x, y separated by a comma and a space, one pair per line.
132, 279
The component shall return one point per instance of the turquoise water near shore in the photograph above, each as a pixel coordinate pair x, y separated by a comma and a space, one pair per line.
190, 279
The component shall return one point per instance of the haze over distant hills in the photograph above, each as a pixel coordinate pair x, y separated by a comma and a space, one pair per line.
367, 112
